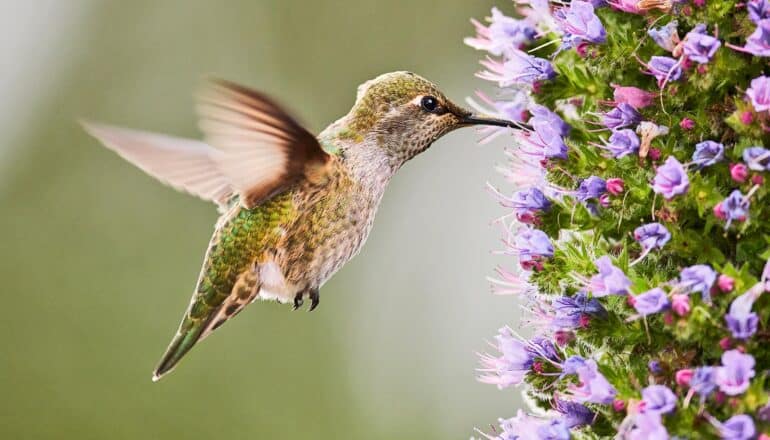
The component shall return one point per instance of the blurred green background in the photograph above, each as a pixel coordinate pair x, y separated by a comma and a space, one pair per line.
98, 260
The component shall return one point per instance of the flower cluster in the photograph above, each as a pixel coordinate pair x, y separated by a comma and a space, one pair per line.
638, 217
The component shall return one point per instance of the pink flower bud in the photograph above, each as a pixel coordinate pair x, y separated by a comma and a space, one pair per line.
687, 10
746, 117
618, 405
720, 397
719, 212
725, 343
538, 367
702, 69
739, 172
604, 200
582, 49
757, 179
687, 124
615, 186
654, 153
683, 377
563, 337
527, 218
680, 304
585, 321
532, 265
668, 318
633, 96
699, 3
726, 283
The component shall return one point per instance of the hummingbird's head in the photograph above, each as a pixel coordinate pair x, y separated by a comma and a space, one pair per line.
404, 114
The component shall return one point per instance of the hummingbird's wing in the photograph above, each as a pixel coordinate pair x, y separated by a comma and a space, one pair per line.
184, 164
264, 150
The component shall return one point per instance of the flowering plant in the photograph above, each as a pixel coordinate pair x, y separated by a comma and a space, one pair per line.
639, 223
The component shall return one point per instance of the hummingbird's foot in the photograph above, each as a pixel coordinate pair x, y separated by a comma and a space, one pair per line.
314, 299
298, 301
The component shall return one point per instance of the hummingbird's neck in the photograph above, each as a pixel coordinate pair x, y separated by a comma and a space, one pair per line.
366, 161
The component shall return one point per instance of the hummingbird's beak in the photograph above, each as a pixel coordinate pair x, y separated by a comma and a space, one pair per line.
477, 119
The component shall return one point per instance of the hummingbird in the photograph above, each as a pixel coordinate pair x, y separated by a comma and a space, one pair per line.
294, 207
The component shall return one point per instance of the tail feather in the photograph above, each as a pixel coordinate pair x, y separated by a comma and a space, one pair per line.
183, 341
201, 319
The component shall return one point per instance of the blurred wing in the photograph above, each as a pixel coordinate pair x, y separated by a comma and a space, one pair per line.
184, 164
263, 149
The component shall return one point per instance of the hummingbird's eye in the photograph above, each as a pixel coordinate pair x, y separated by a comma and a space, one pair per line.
429, 104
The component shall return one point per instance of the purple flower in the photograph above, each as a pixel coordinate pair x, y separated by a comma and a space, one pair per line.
531, 246
654, 367
652, 235
542, 115
609, 281
734, 207
763, 413
671, 179
664, 69
622, 143
553, 430
703, 381
666, 36
758, 43
698, 278
757, 158
735, 374
520, 68
648, 426
593, 387
759, 93
572, 364
658, 399
651, 301
544, 348
708, 153
503, 34
574, 414
569, 311
741, 321
623, 115
545, 141
511, 366
580, 24
758, 10
699, 46
517, 428
739, 427
527, 204
524, 426
591, 188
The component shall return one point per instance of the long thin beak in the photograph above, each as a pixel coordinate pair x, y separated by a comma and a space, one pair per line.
476, 119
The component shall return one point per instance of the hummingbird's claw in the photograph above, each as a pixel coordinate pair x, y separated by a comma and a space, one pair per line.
298, 301
314, 299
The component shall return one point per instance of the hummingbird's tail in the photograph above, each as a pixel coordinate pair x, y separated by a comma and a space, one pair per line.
189, 333
209, 309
